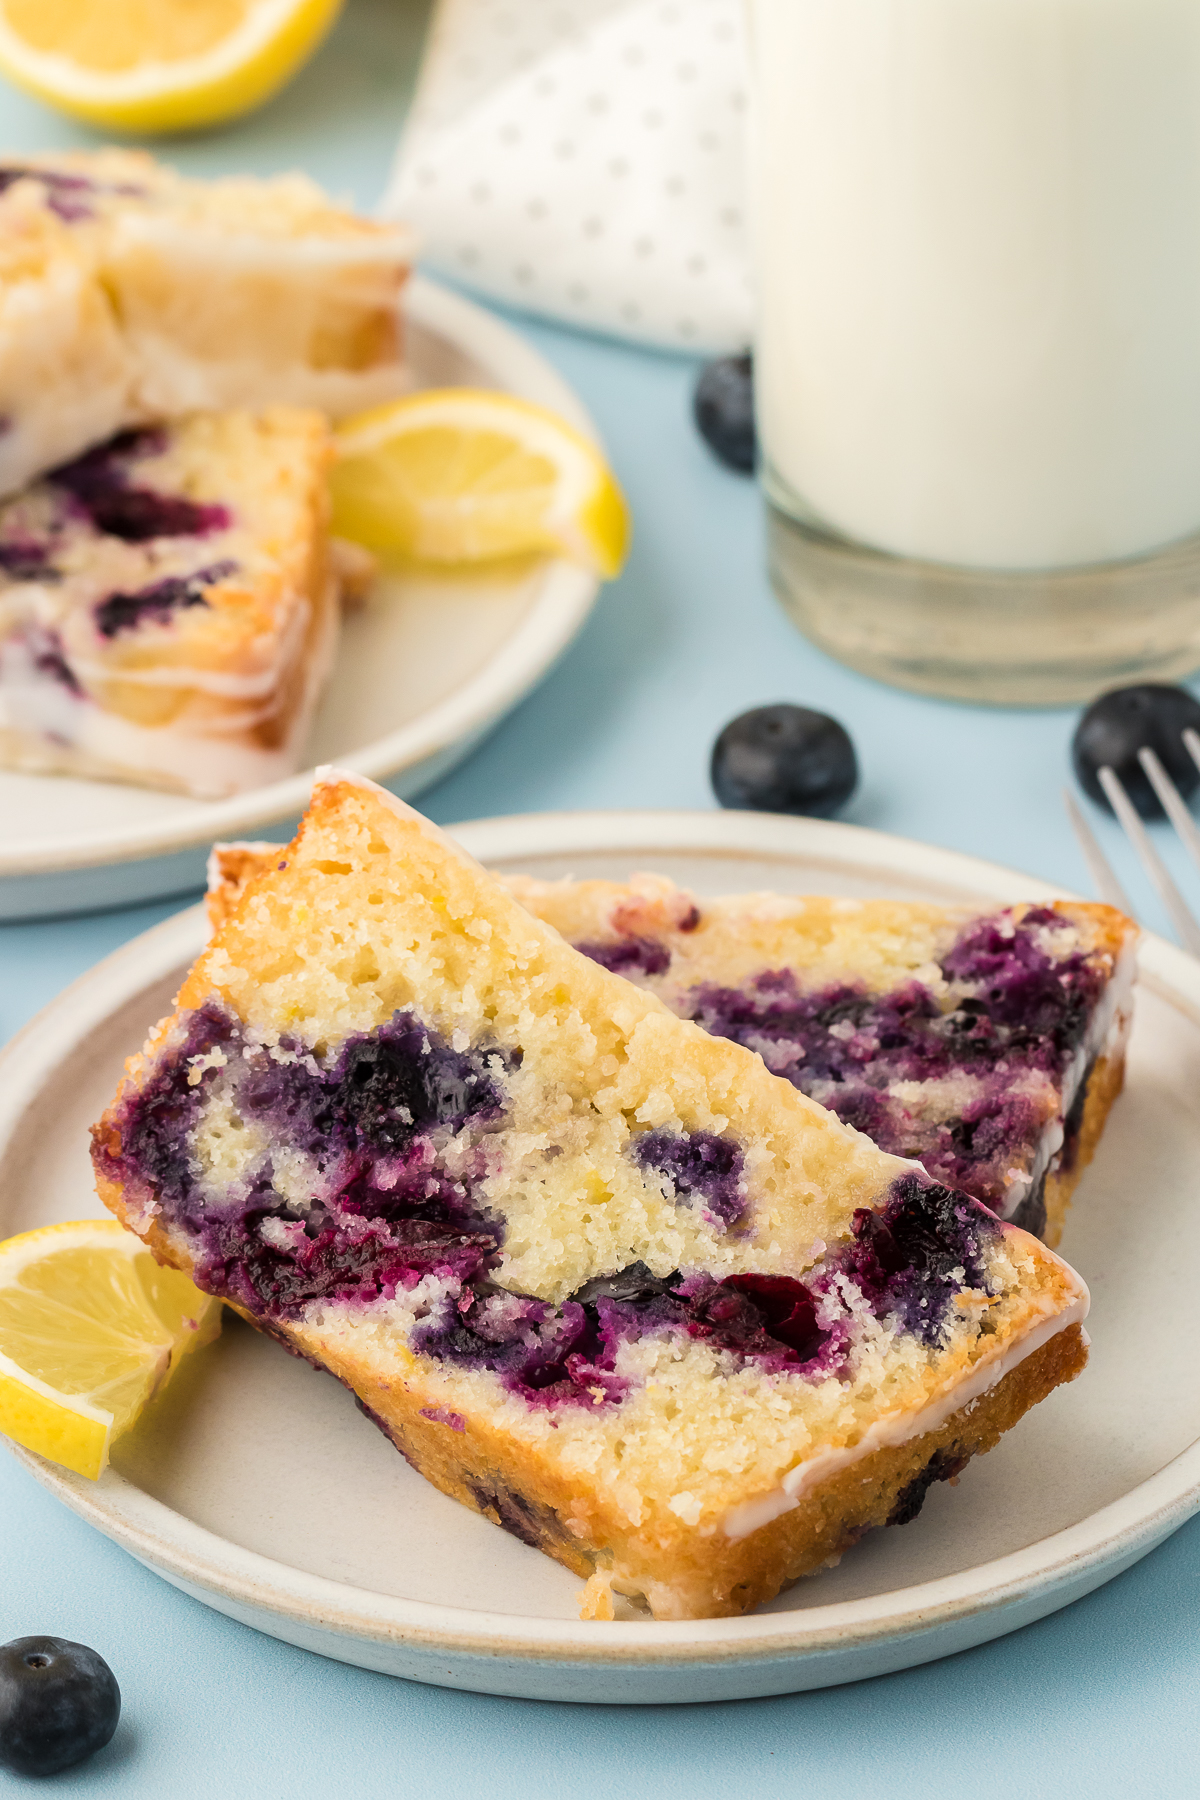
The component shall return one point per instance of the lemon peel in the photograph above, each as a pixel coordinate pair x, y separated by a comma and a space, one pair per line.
153, 66
465, 475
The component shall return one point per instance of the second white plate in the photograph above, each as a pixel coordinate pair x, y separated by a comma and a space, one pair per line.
256, 1486
422, 674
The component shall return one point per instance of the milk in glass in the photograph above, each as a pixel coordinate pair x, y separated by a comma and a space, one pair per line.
977, 230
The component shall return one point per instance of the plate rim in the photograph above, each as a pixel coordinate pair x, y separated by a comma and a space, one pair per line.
567, 595
1067, 1561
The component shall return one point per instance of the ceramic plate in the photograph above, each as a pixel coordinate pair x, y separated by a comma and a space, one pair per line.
256, 1485
423, 672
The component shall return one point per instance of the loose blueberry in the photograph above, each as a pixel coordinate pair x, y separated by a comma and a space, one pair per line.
1115, 727
59, 1703
784, 759
723, 407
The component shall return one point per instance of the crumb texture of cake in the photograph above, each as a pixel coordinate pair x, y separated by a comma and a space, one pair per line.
598, 1273
168, 609
131, 294
989, 1047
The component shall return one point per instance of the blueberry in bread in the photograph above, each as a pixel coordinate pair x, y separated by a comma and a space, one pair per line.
168, 605
597, 1273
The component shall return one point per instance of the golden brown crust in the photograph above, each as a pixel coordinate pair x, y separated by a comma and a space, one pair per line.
1104, 1085
866, 1494
650, 903
581, 910
1113, 930
880, 943
231, 869
680, 1572
884, 941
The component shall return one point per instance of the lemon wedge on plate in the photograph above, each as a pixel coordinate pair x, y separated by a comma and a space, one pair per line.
158, 65
90, 1329
464, 475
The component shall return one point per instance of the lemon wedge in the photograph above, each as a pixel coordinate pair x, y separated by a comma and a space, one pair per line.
158, 65
464, 475
90, 1329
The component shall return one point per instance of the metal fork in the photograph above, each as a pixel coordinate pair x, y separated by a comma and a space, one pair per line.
1176, 809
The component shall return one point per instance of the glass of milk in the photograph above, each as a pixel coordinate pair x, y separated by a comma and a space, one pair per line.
977, 239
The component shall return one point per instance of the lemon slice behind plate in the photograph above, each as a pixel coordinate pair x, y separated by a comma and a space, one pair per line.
90, 1330
157, 65
465, 475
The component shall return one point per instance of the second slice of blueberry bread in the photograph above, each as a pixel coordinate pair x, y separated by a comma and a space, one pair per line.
169, 604
597, 1273
987, 1043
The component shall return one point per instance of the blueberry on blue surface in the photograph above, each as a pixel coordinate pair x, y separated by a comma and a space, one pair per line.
1116, 726
723, 407
59, 1703
785, 759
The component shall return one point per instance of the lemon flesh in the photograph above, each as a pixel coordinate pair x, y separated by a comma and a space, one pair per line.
158, 65
459, 475
90, 1330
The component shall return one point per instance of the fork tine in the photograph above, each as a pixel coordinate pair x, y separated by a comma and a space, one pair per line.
1173, 803
1185, 925
1192, 740
1099, 867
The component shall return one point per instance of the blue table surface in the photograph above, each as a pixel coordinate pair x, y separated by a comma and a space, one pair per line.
1100, 1699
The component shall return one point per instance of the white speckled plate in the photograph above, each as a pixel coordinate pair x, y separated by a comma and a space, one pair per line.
422, 674
255, 1484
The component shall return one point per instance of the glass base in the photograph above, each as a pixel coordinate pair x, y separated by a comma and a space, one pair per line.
1018, 639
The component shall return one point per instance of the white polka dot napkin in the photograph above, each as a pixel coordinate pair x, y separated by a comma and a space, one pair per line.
583, 158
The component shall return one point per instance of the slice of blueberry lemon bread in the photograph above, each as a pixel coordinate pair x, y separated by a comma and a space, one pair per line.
168, 609
988, 1046
143, 295
597, 1273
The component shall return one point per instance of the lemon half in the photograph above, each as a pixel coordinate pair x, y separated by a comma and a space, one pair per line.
90, 1330
463, 475
158, 65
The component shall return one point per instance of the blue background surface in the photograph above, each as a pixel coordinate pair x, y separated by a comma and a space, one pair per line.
1100, 1700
